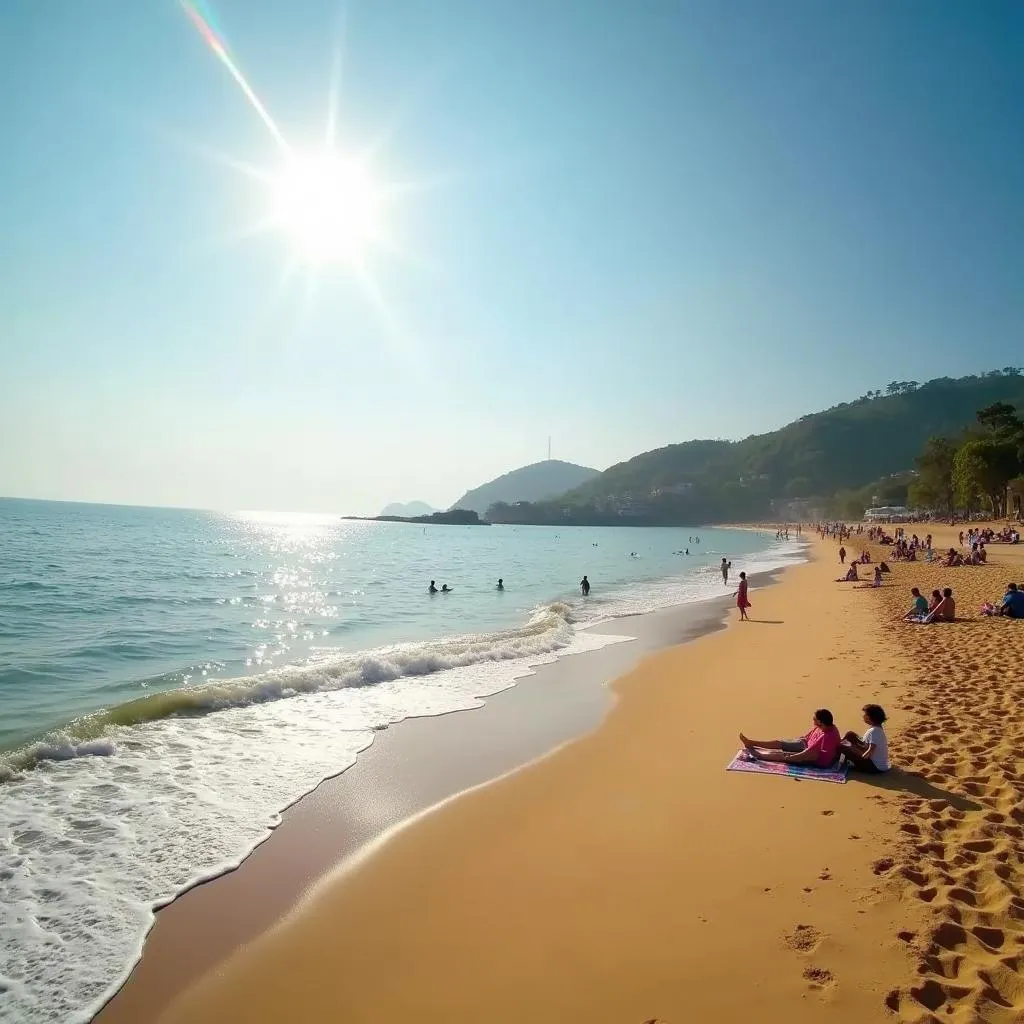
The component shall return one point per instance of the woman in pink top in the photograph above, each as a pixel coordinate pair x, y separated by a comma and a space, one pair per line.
818, 748
742, 601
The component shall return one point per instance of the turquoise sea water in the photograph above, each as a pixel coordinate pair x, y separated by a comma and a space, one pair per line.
170, 679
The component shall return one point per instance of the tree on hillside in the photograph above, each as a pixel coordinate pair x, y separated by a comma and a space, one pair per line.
982, 469
900, 387
933, 487
1001, 419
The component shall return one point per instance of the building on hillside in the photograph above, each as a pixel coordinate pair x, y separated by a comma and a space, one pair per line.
628, 508
886, 513
669, 489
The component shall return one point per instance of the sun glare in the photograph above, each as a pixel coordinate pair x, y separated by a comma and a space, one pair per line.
330, 208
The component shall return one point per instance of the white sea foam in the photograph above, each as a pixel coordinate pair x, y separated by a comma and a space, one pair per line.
187, 786
91, 845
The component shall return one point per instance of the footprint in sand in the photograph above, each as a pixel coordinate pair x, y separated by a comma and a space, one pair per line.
804, 938
819, 977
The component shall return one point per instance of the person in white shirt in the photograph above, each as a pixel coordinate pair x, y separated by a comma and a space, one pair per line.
870, 752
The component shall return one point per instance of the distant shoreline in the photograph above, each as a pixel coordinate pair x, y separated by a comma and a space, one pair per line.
455, 517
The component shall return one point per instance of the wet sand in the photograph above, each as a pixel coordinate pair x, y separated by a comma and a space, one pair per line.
411, 766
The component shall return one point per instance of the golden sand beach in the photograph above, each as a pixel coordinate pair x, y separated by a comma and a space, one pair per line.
628, 877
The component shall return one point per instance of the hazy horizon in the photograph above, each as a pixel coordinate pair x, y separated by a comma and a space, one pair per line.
623, 228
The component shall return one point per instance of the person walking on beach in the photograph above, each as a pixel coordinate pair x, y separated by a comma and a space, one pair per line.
585, 586
842, 556
742, 601
726, 566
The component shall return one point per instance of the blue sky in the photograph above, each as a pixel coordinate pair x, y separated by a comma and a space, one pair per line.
630, 224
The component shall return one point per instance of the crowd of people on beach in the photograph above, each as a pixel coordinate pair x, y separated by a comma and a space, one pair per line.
941, 606
823, 746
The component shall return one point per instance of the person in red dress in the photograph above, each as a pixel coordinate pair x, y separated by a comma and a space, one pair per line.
742, 601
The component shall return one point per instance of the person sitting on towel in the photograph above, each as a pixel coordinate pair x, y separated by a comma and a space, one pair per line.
819, 748
870, 752
945, 610
919, 609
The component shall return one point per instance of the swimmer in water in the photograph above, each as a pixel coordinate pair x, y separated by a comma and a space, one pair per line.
584, 586
433, 587
501, 585
445, 589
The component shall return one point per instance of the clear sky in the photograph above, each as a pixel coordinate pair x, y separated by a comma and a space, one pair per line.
621, 224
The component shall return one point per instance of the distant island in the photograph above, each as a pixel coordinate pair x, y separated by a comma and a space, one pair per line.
453, 517
538, 482
408, 509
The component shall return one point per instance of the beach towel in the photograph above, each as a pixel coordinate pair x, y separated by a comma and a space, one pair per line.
742, 763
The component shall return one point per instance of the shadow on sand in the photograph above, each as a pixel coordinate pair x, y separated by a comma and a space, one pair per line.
896, 780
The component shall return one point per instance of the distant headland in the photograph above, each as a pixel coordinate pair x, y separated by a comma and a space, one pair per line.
453, 517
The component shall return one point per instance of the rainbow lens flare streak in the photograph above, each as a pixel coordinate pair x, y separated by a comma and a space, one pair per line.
219, 47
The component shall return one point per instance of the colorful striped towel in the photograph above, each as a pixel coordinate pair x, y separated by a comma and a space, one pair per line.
742, 762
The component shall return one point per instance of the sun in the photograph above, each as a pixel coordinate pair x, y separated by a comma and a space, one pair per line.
329, 206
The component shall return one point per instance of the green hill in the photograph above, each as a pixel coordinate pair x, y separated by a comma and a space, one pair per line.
842, 448
542, 480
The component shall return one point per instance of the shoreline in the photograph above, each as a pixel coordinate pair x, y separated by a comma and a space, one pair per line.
415, 765
609, 879
629, 846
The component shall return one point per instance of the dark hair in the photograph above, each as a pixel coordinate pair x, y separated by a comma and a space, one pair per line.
824, 716
1011, 586
936, 593
743, 575
915, 591
875, 712
947, 592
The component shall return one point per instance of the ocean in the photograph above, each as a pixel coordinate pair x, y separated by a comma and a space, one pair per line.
171, 680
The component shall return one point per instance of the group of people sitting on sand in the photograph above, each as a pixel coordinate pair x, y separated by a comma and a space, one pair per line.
904, 550
852, 576
1007, 535
823, 747
941, 607
976, 556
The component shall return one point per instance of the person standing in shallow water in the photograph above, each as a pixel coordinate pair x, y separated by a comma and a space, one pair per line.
584, 586
742, 601
726, 566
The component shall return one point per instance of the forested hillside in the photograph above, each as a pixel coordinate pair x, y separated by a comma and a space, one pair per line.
842, 448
